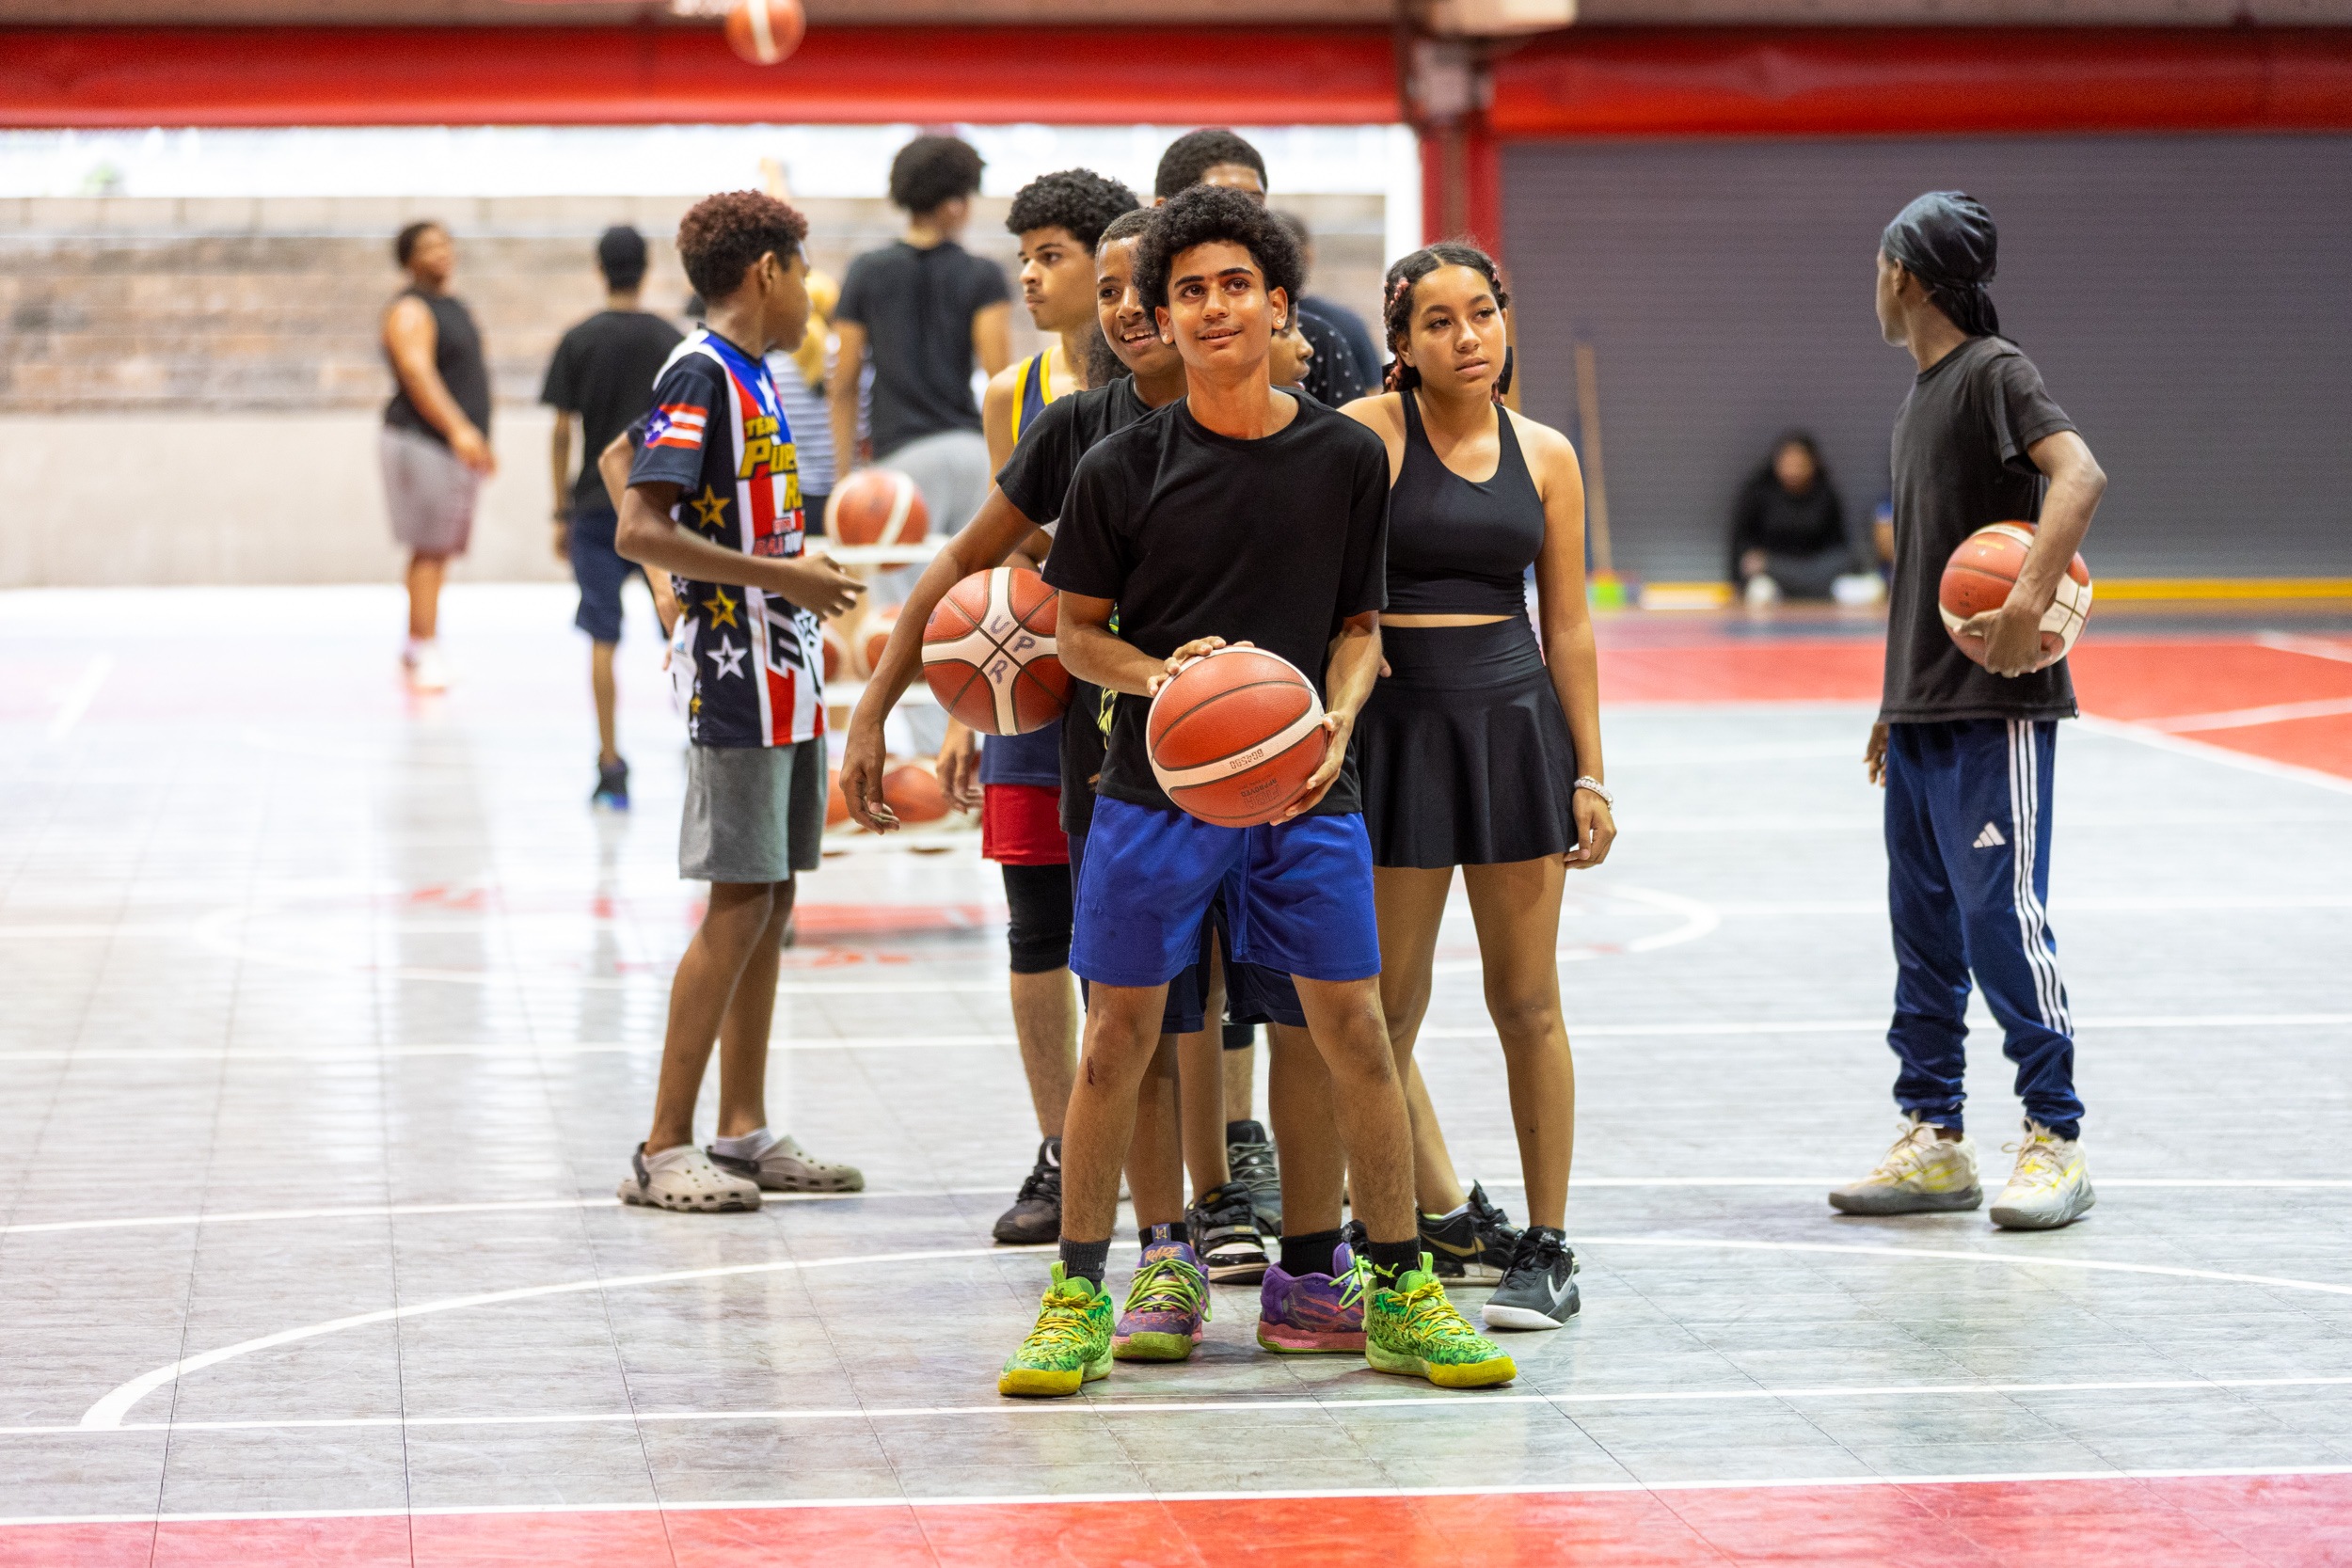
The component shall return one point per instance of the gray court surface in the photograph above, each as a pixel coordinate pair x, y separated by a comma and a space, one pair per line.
330, 1019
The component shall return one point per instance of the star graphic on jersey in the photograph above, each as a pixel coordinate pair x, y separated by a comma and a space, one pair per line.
713, 507
722, 607
728, 657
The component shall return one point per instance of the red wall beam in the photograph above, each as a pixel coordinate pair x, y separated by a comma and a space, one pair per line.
123, 76
1741, 82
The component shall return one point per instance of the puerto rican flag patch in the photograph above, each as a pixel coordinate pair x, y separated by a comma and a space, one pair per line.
677, 424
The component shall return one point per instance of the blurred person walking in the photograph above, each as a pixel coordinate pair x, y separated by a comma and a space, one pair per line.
436, 444
602, 376
922, 310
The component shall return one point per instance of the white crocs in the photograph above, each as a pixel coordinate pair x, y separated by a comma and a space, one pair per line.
683, 1179
785, 1166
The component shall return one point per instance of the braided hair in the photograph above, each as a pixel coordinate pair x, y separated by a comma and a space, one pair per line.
1396, 303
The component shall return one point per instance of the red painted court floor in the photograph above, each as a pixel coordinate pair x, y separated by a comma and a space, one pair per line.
2277, 1520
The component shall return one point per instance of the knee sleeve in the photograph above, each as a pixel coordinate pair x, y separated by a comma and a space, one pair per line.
1037, 933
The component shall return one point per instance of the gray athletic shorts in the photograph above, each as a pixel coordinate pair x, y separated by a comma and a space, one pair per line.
753, 814
429, 493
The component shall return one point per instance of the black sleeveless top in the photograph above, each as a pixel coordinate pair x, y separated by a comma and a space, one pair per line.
457, 355
1456, 548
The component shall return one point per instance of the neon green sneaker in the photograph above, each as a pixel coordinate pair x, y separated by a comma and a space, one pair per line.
1413, 1330
1069, 1345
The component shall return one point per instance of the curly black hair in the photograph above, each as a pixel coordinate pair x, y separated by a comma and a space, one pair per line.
1397, 301
1077, 200
1126, 226
1203, 216
1194, 153
722, 235
931, 171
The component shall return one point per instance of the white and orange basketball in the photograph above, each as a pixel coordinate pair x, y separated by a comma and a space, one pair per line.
1235, 737
873, 636
1982, 571
766, 32
989, 652
877, 506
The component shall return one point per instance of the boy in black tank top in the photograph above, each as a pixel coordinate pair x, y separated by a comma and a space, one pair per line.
435, 445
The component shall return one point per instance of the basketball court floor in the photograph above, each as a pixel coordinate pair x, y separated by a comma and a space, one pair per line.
331, 1014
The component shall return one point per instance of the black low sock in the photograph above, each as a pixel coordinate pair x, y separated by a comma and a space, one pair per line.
1086, 1261
1392, 1260
1310, 1253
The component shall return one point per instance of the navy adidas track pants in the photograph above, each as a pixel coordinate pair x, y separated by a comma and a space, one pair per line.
1967, 883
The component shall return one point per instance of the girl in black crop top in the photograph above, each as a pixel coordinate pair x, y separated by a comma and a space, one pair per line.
1481, 748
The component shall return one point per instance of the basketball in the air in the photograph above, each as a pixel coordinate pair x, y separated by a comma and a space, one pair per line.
1982, 571
765, 32
877, 506
989, 653
1235, 737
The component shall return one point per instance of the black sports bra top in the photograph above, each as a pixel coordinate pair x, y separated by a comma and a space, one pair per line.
1456, 548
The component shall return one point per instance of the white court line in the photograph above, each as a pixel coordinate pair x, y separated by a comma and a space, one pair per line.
76, 699
1001, 1499
2287, 641
1580, 1033
2245, 762
110, 1409
380, 1211
2247, 718
1242, 1405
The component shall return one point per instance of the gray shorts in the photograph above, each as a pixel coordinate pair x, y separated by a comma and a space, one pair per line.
429, 493
753, 814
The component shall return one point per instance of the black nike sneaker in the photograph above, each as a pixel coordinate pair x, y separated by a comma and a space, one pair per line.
1225, 1236
1474, 1244
1249, 1160
1538, 1289
1036, 1214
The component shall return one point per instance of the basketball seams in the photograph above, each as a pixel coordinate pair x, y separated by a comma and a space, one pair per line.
1169, 729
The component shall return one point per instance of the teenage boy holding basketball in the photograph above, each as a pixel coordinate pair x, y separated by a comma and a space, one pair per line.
1966, 752
1238, 514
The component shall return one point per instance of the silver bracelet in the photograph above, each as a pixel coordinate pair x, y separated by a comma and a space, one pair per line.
1597, 788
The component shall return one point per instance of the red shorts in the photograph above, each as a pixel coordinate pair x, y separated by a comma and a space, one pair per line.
1021, 825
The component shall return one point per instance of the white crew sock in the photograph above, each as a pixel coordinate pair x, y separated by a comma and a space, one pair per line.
751, 1146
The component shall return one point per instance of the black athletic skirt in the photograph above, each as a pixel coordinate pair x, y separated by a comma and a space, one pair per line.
1463, 752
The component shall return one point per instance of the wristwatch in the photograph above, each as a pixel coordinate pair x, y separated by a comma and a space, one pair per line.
1599, 788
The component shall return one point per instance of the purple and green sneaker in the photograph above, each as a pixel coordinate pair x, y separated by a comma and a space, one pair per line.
1166, 1302
1312, 1314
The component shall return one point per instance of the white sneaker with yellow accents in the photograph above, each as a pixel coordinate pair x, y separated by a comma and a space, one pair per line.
2051, 1185
1923, 1174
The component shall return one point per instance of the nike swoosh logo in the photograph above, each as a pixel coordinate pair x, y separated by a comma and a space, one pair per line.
1559, 1295
1449, 1248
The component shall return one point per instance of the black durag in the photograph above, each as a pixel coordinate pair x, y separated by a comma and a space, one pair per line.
1946, 240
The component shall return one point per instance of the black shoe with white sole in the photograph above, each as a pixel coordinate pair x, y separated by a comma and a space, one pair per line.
1539, 1290
1474, 1244
1225, 1236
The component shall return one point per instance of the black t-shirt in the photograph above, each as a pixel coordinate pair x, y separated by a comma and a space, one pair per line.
1274, 541
1036, 478
604, 371
1960, 464
1335, 376
916, 307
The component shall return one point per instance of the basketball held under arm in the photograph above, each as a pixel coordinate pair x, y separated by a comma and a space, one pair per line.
2013, 634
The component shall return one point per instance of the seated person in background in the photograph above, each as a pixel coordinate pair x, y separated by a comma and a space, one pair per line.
1789, 529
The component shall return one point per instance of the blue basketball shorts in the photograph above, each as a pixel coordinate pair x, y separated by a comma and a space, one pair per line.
1297, 895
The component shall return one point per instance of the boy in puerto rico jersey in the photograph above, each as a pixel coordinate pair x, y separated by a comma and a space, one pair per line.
714, 500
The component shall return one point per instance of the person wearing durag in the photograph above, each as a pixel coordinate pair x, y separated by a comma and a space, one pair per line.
1967, 750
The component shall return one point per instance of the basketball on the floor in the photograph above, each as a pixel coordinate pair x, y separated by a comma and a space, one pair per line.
836, 650
765, 32
1982, 571
877, 506
912, 792
989, 652
873, 636
1235, 737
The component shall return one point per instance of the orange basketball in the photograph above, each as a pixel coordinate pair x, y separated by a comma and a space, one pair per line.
765, 32
877, 506
989, 652
1236, 736
836, 650
874, 636
837, 803
911, 791
1982, 571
